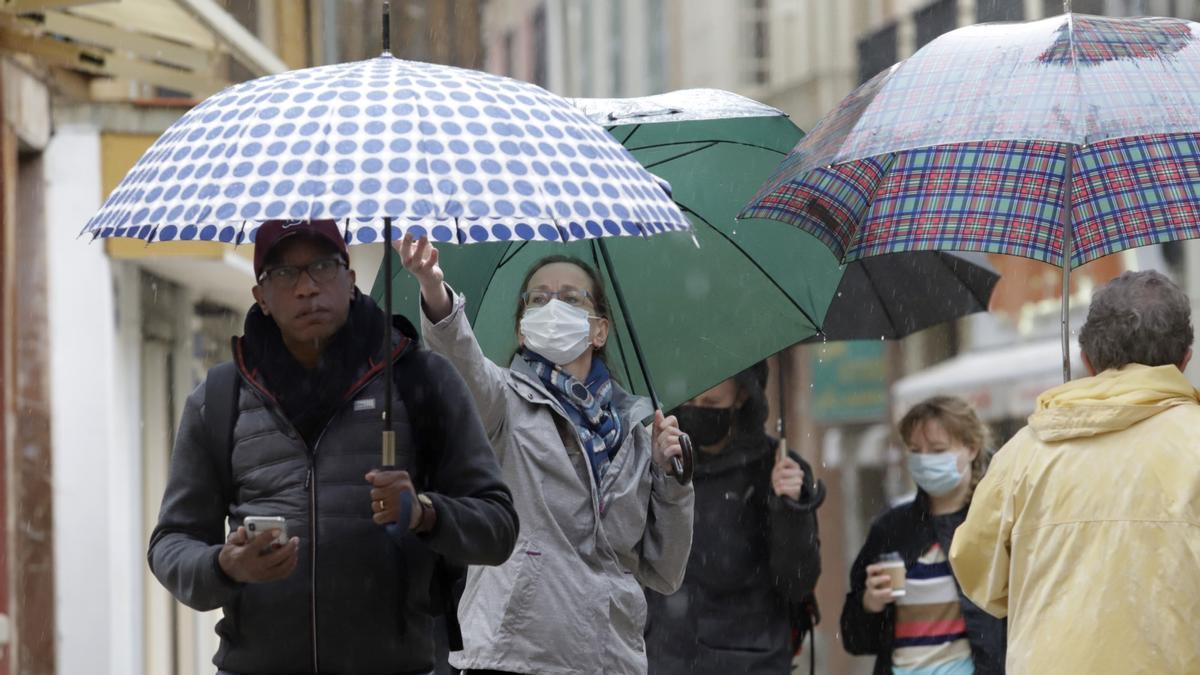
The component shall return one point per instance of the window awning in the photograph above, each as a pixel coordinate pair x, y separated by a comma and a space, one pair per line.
1001, 383
177, 45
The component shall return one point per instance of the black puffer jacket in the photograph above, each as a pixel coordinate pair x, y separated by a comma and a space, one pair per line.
360, 601
754, 563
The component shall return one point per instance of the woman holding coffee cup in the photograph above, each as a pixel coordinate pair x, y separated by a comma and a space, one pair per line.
904, 605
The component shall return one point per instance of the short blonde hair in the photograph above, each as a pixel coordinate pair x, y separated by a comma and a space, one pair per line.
960, 421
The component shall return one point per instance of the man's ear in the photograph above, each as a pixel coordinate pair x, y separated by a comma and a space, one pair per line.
258, 297
1187, 358
1087, 363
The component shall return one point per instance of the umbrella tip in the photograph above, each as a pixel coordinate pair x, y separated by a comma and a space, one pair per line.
387, 27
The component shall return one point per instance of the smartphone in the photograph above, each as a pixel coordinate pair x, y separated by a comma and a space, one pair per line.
256, 525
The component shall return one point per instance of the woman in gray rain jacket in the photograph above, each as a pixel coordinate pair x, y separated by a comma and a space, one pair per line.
600, 518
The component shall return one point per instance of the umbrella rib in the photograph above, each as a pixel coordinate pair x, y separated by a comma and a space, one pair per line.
816, 326
632, 131
491, 277
875, 287
509, 256
679, 156
620, 348
711, 142
962, 278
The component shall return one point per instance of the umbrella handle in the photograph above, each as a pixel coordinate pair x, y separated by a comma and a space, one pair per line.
682, 468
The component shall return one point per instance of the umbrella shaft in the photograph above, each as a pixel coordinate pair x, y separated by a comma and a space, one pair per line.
387, 332
387, 27
1066, 263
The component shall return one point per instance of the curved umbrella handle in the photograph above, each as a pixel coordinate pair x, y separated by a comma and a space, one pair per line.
682, 468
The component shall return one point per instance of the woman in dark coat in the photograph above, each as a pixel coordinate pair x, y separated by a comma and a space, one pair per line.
746, 599
933, 629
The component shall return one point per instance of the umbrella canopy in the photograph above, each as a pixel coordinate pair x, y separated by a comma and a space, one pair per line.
748, 291
387, 147
702, 313
892, 296
460, 155
1061, 140
886, 297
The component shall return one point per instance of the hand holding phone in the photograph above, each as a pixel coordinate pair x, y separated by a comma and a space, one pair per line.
256, 525
248, 559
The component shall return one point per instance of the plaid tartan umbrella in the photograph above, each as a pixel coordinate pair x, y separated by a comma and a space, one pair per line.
1061, 140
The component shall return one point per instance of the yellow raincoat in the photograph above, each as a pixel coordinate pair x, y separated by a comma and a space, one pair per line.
1086, 530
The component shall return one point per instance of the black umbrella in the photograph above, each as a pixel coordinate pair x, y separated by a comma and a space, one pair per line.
891, 296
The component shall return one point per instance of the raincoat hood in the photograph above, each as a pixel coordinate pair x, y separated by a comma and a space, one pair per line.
1113, 400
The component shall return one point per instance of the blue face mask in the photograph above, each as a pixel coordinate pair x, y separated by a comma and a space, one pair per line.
935, 473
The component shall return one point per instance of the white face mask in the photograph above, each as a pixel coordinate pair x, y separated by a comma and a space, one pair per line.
557, 331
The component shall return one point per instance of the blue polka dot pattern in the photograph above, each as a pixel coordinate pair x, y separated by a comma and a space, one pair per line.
460, 155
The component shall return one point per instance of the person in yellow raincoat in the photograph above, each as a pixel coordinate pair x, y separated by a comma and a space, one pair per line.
1085, 532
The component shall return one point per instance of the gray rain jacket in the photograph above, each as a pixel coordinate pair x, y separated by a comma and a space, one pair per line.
570, 598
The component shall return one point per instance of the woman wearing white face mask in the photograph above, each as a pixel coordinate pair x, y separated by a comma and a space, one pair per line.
932, 628
600, 517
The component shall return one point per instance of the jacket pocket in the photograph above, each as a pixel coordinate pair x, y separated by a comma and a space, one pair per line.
627, 611
227, 627
518, 611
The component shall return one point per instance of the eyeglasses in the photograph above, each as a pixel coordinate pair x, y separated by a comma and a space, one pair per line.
571, 296
320, 271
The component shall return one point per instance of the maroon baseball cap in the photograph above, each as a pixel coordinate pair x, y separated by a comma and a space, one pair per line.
272, 232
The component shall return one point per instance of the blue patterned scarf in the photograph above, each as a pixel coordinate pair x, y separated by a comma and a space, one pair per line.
588, 404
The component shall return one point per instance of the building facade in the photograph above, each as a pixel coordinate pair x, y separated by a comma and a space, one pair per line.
104, 340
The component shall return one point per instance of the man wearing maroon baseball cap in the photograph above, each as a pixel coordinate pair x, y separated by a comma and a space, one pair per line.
305, 284
272, 232
306, 388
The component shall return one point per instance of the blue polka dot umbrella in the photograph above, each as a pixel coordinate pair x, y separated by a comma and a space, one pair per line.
388, 147
460, 155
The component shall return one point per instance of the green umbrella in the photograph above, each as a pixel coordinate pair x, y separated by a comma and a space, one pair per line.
703, 309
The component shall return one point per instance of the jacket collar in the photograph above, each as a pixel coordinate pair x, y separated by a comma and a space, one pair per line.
525, 381
404, 339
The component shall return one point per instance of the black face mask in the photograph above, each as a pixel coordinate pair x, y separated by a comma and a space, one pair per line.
706, 426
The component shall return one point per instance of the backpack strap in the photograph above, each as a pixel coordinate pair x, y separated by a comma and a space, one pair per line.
449, 578
221, 389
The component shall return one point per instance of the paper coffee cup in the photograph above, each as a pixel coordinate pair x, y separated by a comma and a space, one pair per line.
893, 566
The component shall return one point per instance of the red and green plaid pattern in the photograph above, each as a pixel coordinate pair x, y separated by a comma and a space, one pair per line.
834, 202
1000, 197
1008, 82
1134, 192
962, 146
1099, 39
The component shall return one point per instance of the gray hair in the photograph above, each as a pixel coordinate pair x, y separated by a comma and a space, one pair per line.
1139, 317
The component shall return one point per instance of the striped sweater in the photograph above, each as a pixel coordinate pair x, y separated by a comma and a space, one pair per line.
931, 634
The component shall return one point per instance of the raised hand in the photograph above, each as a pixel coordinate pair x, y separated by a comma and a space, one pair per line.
420, 258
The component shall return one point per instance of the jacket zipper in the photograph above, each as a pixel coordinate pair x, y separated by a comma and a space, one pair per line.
310, 480
310, 483
555, 409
